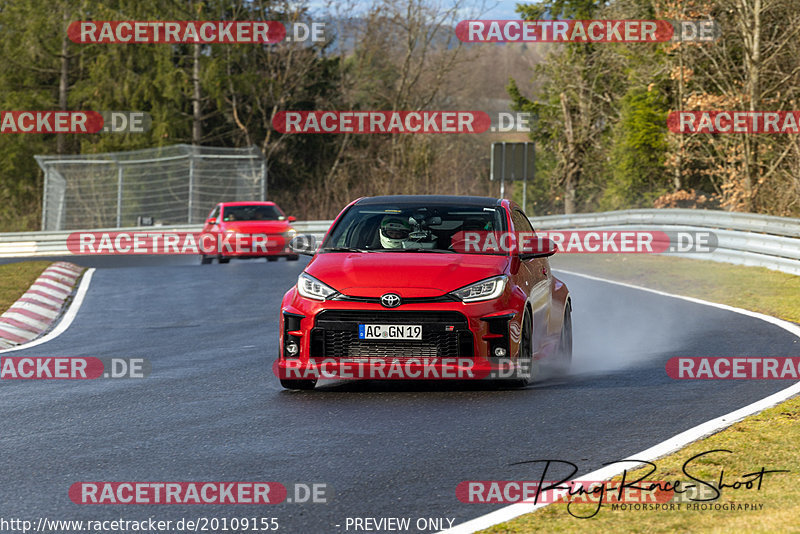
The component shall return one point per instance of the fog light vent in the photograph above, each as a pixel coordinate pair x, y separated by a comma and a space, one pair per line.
292, 348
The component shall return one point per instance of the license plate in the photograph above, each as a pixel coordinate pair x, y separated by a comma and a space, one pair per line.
389, 331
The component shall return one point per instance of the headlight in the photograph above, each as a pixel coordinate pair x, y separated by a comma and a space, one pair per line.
289, 234
488, 289
311, 288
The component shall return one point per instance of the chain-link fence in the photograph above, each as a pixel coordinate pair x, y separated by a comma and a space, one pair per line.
177, 184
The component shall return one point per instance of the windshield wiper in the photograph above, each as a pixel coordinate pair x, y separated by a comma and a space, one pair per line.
436, 250
343, 249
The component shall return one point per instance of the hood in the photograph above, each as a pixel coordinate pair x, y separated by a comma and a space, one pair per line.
256, 227
406, 273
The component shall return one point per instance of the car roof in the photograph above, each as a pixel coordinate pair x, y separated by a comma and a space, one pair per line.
453, 200
247, 203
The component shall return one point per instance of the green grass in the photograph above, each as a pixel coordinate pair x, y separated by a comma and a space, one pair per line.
16, 278
768, 439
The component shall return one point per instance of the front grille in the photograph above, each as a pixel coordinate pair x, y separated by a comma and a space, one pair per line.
398, 317
336, 335
339, 344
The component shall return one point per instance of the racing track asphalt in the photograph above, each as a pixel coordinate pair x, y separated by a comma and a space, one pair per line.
213, 411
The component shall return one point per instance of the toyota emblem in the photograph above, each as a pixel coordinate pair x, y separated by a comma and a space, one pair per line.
390, 300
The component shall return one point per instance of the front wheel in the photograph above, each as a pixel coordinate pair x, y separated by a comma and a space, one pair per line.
298, 384
524, 370
224, 260
564, 355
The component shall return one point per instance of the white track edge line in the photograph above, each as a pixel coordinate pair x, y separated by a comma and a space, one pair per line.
659, 450
66, 320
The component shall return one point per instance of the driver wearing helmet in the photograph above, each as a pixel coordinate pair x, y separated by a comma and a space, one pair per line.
394, 231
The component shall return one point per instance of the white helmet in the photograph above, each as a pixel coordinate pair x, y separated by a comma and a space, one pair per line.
394, 231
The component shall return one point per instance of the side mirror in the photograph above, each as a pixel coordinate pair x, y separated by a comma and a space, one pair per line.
304, 244
541, 247
291, 218
212, 220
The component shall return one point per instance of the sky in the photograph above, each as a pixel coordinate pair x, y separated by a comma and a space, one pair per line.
495, 9
503, 10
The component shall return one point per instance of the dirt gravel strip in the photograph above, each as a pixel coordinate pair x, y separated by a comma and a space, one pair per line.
35, 312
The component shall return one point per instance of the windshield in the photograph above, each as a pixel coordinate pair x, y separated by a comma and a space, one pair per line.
411, 228
251, 213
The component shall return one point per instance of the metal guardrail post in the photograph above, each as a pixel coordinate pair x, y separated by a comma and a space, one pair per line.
119, 195
263, 181
191, 188
44, 197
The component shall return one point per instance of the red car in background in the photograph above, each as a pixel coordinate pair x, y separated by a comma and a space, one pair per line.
391, 280
247, 219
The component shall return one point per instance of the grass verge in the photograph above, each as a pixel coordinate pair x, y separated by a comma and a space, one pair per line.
16, 278
752, 288
768, 439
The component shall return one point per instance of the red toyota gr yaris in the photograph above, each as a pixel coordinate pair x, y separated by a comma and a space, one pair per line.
391, 281
257, 230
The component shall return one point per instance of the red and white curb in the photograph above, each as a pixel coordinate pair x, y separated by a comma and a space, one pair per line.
34, 312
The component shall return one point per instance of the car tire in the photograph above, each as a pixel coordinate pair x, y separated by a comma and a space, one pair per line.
298, 384
223, 260
293, 257
525, 354
205, 260
272, 258
564, 354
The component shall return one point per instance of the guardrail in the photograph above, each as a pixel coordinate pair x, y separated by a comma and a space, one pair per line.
37, 244
748, 222
742, 238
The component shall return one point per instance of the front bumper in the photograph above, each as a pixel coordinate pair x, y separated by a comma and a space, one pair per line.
321, 338
254, 246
